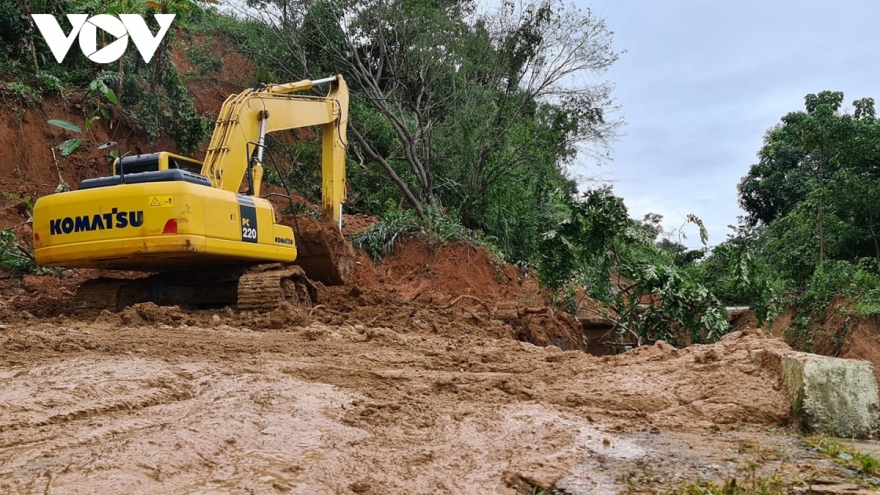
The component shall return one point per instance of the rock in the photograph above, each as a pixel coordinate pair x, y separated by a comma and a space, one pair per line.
832, 396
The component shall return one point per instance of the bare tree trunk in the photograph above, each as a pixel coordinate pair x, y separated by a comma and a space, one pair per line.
410, 197
821, 223
121, 75
29, 45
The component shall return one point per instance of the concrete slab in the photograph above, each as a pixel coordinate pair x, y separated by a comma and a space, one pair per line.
832, 396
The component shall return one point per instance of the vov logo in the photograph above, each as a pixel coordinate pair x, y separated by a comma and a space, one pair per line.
127, 25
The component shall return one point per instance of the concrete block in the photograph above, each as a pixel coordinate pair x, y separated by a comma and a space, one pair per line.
833, 396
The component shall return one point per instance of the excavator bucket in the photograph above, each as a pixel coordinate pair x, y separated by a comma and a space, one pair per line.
322, 251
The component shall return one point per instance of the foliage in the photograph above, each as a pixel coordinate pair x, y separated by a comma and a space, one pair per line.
615, 260
817, 187
453, 106
859, 281
738, 274
28, 200
163, 104
96, 87
438, 229
814, 197
12, 257
153, 99
204, 59
23, 92
303, 159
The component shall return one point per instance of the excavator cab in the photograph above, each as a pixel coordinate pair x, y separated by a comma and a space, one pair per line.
154, 162
153, 167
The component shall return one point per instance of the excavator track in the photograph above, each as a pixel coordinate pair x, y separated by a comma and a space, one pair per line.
261, 288
268, 289
99, 294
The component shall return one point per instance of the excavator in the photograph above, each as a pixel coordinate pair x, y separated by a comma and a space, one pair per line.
201, 230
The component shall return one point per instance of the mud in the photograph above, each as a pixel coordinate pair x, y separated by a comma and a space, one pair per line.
216, 402
861, 340
420, 272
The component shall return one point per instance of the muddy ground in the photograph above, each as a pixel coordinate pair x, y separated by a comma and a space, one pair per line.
419, 398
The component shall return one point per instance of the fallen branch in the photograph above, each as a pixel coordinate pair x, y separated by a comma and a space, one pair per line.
315, 308
416, 295
477, 299
29, 220
484, 322
62, 186
532, 311
25, 252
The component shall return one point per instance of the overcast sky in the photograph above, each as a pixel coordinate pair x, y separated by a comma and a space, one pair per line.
703, 80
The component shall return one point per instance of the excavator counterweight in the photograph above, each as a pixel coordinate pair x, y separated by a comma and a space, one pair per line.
202, 226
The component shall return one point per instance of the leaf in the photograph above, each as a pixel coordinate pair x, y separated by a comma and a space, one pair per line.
69, 146
111, 96
704, 234
90, 121
70, 126
93, 85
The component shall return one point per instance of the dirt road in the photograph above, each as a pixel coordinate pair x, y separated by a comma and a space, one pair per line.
207, 403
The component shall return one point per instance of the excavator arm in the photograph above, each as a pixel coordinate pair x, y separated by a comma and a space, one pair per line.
236, 149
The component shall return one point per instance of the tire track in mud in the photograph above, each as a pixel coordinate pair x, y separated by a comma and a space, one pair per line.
60, 396
168, 445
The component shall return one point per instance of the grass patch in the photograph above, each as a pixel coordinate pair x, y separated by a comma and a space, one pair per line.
750, 484
846, 455
758, 486
437, 229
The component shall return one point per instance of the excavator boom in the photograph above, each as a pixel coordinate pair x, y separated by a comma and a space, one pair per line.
247, 117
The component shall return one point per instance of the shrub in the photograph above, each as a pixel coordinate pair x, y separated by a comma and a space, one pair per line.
436, 228
12, 257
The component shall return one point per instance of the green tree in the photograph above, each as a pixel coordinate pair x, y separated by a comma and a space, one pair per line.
739, 274
597, 243
825, 159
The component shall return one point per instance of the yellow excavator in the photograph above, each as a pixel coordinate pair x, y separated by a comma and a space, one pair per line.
202, 228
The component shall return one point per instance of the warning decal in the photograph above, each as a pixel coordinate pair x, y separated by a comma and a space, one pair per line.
161, 202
